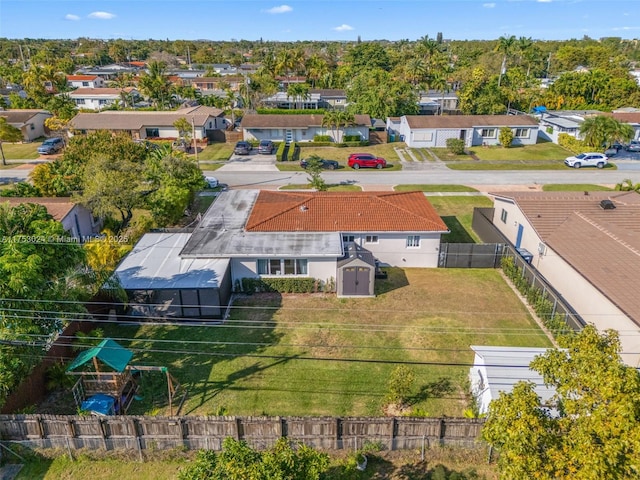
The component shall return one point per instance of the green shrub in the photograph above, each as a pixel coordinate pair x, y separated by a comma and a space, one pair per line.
505, 137
351, 138
294, 152
455, 146
571, 143
322, 138
280, 152
317, 144
281, 285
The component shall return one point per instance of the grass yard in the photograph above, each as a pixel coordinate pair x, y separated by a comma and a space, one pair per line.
433, 188
215, 152
320, 355
574, 187
457, 213
21, 151
331, 188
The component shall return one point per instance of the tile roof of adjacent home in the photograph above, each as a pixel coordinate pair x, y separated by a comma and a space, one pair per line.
95, 92
22, 115
79, 78
633, 117
128, 120
343, 212
293, 121
58, 207
603, 245
469, 121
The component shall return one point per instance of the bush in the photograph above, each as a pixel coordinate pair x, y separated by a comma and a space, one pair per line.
281, 285
455, 146
351, 138
322, 138
571, 143
294, 152
280, 152
505, 137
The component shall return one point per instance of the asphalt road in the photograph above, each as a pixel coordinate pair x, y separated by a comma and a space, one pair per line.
262, 179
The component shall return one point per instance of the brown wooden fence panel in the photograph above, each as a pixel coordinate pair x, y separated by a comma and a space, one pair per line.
318, 432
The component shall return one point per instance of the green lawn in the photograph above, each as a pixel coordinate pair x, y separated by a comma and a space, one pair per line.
574, 187
331, 188
215, 152
320, 355
21, 151
539, 152
457, 213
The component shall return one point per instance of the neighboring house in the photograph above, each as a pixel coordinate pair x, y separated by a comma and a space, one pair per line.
498, 369
587, 246
85, 81
147, 124
5, 93
299, 128
217, 85
328, 236
100, 98
434, 102
109, 72
76, 219
425, 131
283, 100
632, 118
29, 121
551, 126
331, 98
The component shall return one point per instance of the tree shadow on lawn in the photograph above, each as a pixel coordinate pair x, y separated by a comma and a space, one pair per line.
458, 233
192, 352
437, 389
396, 278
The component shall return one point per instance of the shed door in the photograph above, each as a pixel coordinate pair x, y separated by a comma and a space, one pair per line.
355, 280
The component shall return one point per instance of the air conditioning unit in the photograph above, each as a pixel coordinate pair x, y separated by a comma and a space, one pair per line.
607, 205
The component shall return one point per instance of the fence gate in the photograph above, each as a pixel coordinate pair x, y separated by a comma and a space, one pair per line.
470, 255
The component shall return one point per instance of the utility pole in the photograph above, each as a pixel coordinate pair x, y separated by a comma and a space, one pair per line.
195, 143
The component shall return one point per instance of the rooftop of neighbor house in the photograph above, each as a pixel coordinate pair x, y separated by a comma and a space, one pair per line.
58, 207
470, 121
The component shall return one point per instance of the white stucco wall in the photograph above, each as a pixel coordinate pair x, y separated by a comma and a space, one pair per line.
321, 268
593, 306
392, 249
80, 224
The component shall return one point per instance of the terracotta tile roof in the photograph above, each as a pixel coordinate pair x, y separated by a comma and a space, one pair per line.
469, 121
343, 212
79, 92
633, 117
293, 121
602, 245
58, 207
79, 78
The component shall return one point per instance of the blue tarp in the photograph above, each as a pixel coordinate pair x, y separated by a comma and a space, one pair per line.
100, 403
539, 109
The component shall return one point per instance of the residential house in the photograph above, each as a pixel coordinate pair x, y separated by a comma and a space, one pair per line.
75, 218
331, 98
425, 131
111, 71
101, 98
632, 118
285, 101
5, 93
587, 246
29, 121
85, 81
555, 122
327, 236
436, 102
498, 369
147, 124
217, 85
299, 128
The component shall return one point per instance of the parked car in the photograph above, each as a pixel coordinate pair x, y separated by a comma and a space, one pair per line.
212, 182
590, 159
242, 148
325, 164
366, 160
51, 146
634, 146
266, 146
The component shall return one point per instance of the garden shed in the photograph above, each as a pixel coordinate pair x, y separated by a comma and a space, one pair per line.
356, 272
160, 283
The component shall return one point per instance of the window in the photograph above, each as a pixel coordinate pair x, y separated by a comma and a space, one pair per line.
282, 266
102, 102
371, 239
488, 132
413, 241
152, 132
85, 84
348, 238
503, 216
522, 133
32, 126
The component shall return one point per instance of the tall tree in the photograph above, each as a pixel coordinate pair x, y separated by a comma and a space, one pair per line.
602, 131
8, 133
505, 46
155, 84
590, 429
299, 92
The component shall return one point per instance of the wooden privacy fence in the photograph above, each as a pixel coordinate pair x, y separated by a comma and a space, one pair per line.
141, 433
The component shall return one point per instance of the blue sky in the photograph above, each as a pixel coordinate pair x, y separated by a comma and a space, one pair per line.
288, 20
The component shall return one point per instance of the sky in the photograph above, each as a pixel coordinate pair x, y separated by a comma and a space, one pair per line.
346, 20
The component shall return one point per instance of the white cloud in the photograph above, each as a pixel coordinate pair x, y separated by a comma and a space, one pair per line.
343, 28
488, 5
544, 1
280, 9
70, 16
101, 15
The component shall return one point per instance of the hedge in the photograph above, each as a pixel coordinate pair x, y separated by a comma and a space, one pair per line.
280, 151
322, 138
571, 143
282, 285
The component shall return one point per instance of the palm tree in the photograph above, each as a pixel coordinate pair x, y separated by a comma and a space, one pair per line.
602, 131
155, 84
330, 121
299, 92
344, 120
415, 70
505, 45
439, 82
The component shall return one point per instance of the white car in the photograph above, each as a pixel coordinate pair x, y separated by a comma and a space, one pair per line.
212, 182
590, 159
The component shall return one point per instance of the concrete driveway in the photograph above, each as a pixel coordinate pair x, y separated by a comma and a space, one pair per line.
253, 162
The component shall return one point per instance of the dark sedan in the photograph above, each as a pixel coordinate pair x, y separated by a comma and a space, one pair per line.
325, 164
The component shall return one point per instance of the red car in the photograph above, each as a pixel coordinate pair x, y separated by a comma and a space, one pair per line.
366, 160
